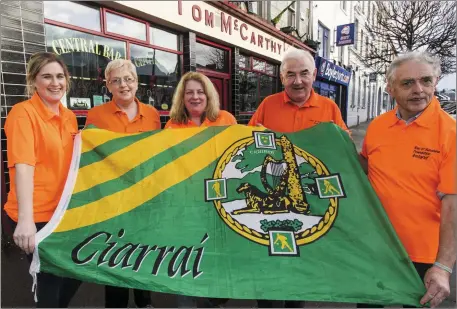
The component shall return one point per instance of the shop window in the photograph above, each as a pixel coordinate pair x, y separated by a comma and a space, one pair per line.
256, 82
211, 58
125, 26
72, 13
324, 38
258, 65
249, 91
86, 57
158, 75
244, 62
163, 38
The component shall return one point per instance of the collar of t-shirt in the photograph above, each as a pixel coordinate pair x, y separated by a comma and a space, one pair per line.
311, 102
115, 109
410, 120
426, 118
44, 112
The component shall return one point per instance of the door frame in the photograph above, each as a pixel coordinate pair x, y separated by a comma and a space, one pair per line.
226, 77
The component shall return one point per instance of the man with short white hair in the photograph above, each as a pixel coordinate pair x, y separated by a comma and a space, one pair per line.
298, 107
410, 155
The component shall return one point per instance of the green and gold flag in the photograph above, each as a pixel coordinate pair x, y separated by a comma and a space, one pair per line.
232, 212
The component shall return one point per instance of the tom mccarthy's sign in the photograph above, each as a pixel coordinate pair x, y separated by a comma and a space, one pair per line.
203, 18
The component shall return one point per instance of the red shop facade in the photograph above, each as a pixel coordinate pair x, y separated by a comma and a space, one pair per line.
239, 52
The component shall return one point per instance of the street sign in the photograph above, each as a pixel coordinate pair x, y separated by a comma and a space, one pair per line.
345, 34
372, 77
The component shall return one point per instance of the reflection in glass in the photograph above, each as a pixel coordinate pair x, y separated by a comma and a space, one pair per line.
211, 58
267, 86
258, 65
86, 57
248, 91
73, 13
158, 75
163, 38
244, 62
270, 69
125, 26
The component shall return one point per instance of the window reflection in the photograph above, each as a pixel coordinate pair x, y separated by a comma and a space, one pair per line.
248, 90
158, 74
125, 26
86, 57
258, 65
255, 84
73, 13
211, 58
163, 38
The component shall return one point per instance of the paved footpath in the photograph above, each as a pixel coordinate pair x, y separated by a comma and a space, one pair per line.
16, 282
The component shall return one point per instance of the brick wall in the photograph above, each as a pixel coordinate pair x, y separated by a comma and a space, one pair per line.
22, 34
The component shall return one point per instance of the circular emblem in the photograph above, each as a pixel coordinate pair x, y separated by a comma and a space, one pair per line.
265, 187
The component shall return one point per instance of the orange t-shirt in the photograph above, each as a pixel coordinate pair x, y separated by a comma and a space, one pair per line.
40, 138
110, 117
407, 165
223, 119
277, 113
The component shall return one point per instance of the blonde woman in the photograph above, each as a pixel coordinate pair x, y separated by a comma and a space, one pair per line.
39, 135
196, 103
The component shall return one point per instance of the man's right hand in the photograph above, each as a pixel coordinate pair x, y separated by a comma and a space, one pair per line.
24, 235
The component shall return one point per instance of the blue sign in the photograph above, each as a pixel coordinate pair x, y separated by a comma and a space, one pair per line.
331, 72
345, 34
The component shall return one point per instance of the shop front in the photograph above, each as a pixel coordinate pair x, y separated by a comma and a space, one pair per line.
332, 81
240, 54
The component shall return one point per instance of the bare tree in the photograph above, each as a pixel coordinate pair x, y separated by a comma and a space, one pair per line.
401, 26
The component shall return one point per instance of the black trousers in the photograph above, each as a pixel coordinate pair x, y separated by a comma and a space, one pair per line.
52, 291
421, 269
118, 297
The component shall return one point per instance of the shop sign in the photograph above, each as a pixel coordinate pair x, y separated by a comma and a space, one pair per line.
332, 72
74, 44
345, 34
203, 18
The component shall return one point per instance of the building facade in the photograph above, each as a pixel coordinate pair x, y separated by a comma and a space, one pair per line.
367, 93
230, 42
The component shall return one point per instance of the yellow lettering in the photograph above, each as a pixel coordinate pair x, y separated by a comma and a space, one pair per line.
69, 44
54, 47
96, 48
61, 44
75, 41
84, 45
91, 47
106, 51
118, 55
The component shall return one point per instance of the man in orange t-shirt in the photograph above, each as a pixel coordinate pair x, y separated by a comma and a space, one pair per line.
298, 107
410, 153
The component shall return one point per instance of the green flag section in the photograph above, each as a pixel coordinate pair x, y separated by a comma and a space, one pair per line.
232, 212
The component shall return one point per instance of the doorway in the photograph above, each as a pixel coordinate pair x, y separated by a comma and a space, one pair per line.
213, 60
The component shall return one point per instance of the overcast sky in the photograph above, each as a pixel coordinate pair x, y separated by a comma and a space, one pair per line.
447, 82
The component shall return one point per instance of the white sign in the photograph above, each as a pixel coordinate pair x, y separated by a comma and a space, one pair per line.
203, 18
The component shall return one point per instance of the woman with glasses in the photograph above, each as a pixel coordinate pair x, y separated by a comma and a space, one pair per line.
124, 114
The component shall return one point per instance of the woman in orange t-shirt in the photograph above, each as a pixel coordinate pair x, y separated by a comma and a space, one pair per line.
39, 135
196, 103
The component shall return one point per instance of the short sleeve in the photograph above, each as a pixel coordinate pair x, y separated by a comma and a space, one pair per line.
20, 137
447, 169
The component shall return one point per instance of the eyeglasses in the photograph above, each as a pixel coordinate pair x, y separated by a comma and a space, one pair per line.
118, 81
